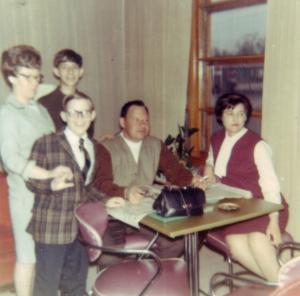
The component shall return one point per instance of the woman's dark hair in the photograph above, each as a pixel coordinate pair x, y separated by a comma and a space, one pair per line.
126, 106
229, 101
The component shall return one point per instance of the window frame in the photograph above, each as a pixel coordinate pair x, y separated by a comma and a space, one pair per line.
200, 61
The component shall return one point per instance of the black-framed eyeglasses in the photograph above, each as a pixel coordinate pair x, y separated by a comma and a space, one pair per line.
39, 78
79, 114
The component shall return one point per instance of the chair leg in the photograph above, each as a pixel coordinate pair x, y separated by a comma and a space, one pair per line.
230, 270
149, 245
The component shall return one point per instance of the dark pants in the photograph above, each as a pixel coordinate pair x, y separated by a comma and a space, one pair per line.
164, 247
60, 267
115, 235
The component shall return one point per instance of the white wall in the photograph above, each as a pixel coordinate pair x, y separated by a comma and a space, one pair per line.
131, 49
281, 95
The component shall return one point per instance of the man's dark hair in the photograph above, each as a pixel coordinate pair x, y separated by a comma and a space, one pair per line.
67, 55
126, 106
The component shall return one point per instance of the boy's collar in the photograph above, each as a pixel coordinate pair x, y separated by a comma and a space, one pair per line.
72, 135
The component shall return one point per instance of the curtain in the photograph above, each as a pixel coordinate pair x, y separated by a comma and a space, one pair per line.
281, 95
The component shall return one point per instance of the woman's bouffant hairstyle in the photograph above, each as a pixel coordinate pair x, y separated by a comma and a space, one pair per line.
19, 56
229, 101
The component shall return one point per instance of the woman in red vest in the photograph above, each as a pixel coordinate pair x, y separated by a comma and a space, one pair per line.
239, 157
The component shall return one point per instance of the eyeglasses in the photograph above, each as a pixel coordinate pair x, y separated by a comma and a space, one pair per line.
38, 78
79, 114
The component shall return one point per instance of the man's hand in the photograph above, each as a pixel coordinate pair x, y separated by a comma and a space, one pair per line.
61, 171
134, 194
273, 230
209, 173
199, 182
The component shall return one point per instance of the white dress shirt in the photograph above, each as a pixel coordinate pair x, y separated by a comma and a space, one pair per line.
268, 180
73, 140
134, 147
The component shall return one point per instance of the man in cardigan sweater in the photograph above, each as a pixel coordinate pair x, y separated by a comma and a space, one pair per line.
129, 161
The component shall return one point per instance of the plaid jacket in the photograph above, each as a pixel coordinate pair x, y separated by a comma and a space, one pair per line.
53, 221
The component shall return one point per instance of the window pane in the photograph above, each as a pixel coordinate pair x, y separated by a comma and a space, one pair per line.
238, 31
245, 79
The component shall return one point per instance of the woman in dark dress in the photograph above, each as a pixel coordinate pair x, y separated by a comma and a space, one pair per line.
239, 157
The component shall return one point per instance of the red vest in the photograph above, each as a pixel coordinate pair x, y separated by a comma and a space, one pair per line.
241, 168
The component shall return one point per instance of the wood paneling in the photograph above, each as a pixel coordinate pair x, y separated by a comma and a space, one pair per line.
7, 256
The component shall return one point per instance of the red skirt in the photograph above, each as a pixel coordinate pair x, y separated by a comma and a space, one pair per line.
259, 224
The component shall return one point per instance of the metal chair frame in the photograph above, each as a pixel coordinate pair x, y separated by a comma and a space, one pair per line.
230, 260
236, 280
91, 237
141, 253
224, 279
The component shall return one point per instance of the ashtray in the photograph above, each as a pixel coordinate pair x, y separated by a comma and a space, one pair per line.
228, 206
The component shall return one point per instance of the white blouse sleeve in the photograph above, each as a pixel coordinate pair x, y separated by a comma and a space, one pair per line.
210, 158
268, 180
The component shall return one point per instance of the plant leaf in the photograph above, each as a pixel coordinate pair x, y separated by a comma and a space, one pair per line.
169, 140
192, 131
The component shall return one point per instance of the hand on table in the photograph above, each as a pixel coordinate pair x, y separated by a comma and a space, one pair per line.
209, 174
115, 202
199, 182
134, 194
273, 230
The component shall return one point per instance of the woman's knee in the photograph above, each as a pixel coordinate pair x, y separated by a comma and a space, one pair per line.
258, 238
236, 243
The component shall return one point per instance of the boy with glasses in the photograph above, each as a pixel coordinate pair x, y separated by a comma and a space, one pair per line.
61, 259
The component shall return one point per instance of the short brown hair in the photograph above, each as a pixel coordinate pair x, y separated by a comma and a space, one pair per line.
67, 55
19, 56
69, 98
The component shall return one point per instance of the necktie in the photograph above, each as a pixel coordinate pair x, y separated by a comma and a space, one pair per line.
87, 160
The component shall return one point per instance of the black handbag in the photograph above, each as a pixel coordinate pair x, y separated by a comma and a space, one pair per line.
179, 201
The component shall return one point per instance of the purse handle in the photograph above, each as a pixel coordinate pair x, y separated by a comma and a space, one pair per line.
185, 205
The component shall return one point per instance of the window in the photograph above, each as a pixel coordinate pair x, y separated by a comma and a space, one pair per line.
230, 54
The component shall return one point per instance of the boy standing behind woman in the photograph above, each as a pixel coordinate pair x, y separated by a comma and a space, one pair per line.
61, 259
68, 69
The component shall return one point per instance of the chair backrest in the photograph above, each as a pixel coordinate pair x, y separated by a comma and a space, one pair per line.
289, 289
92, 219
289, 271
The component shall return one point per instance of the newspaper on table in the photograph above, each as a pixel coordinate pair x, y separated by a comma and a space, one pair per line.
218, 191
132, 214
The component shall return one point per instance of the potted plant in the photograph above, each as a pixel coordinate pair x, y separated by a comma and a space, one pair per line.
180, 145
